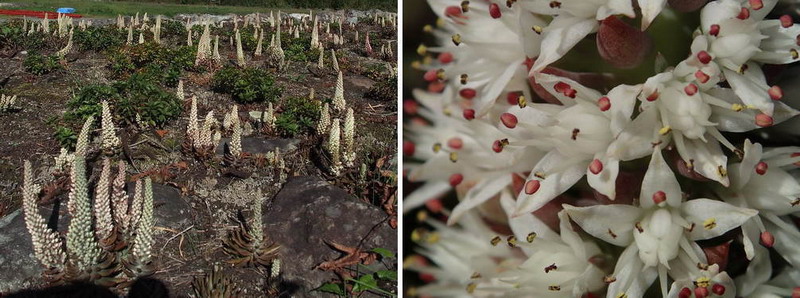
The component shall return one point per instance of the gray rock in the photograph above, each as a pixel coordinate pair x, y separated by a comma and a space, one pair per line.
169, 209
307, 211
261, 145
16, 254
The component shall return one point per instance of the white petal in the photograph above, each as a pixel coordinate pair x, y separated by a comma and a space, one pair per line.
758, 272
752, 155
499, 83
563, 33
479, 194
786, 239
632, 280
713, 218
527, 223
611, 223
561, 173
751, 87
605, 182
623, 100
638, 137
428, 191
659, 177
650, 10
706, 157
570, 237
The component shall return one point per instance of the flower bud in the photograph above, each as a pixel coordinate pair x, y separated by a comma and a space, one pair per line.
621, 44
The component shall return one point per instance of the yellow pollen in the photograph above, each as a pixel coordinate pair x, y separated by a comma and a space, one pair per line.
416, 235
710, 223
639, 228
471, 287
422, 50
465, 6
427, 60
457, 39
531, 237
422, 215
794, 53
437, 147
512, 241
440, 74
522, 102
440, 22
622, 295
453, 156
537, 29
433, 237
416, 64
752, 107
702, 282
539, 175
495, 240
428, 28
447, 111
664, 130
722, 171
737, 107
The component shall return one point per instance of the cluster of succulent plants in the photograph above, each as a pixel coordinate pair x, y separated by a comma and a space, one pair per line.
7, 102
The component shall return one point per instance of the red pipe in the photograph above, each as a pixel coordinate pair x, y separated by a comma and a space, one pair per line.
36, 14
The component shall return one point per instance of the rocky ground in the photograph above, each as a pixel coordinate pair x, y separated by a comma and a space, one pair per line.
197, 202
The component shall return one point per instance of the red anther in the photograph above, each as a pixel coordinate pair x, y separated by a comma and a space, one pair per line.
455, 143
410, 106
796, 292
494, 10
497, 146
659, 197
452, 11
763, 120
571, 93
468, 93
589, 295
690, 89
427, 277
445, 57
513, 98
756, 4
714, 30
434, 205
469, 114
604, 103
653, 96
456, 179
761, 168
775, 92
408, 148
718, 289
532, 186
561, 87
704, 57
596, 166
700, 292
743, 14
766, 239
431, 75
509, 120
786, 21
685, 293
796, 154
701, 76
436, 87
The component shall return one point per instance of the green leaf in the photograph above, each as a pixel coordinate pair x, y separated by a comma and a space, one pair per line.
364, 283
383, 252
387, 275
331, 288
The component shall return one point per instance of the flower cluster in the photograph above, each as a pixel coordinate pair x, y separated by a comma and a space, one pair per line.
514, 134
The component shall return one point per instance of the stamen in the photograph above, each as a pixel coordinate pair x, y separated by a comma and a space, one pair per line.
761, 168
722, 171
767, 239
775, 92
554, 288
685, 293
464, 78
710, 223
471, 287
609, 279
465, 6
763, 120
714, 30
737, 107
702, 282
690, 89
701, 76
498, 145
512, 241
408, 148
531, 187
422, 50
743, 68
596, 166
794, 53
475, 275
531, 237
509, 120
622, 295
653, 96
521, 102
496, 240
537, 29
575, 133
786, 21
756, 4
555, 4
427, 28
430, 75
665, 130
422, 216
456, 39
604, 103
659, 197
446, 57
440, 74
550, 268
494, 11
610, 232
638, 227
437, 147
539, 175
743, 14
701, 292
453, 156
509, 3
452, 11
468, 93
469, 114
704, 57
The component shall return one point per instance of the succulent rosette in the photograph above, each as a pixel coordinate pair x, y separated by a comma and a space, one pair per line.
604, 148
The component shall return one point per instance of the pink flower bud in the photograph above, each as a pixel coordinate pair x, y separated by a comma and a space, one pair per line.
622, 45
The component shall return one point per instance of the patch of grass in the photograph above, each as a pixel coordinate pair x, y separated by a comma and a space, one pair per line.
246, 85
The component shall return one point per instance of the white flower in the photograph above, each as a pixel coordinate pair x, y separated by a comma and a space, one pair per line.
660, 231
708, 282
